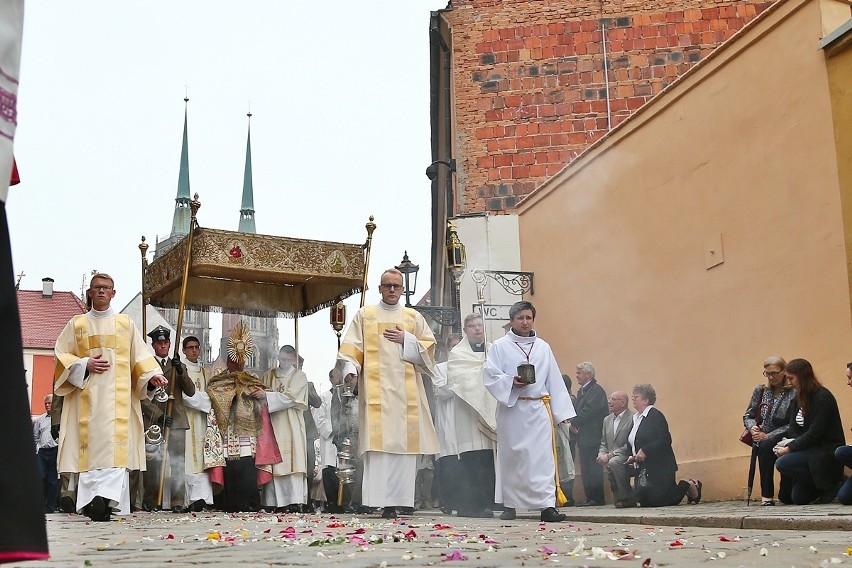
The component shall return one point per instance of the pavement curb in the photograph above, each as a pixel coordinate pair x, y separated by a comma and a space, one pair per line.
775, 522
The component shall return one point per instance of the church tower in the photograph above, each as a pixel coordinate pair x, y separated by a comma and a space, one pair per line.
247, 206
194, 322
264, 330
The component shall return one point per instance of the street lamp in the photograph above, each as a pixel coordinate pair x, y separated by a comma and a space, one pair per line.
407, 267
432, 169
337, 319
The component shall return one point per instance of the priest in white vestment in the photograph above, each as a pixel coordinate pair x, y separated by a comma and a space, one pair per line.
287, 400
475, 421
389, 346
199, 490
526, 416
448, 462
103, 369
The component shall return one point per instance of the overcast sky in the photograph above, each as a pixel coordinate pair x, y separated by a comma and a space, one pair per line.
339, 93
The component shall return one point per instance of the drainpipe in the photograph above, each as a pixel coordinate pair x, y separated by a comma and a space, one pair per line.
606, 77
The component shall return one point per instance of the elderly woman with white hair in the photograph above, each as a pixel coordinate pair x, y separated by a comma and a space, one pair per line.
654, 456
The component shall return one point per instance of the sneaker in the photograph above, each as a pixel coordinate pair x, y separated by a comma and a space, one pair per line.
508, 514
769, 503
551, 515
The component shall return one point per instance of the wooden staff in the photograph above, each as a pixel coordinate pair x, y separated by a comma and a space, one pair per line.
194, 205
370, 226
143, 250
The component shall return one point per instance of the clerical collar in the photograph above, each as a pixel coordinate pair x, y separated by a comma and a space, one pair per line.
394, 307
96, 314
477, 347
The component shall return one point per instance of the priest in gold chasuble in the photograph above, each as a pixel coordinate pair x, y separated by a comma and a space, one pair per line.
103, 369
389, 346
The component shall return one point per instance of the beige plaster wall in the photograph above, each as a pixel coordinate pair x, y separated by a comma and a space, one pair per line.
740, 152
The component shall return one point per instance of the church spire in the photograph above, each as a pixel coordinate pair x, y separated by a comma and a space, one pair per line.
180, 222
247, 206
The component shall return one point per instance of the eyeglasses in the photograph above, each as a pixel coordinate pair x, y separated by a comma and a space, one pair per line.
771, 374
192, 347
392, 286
104, 288
475, 325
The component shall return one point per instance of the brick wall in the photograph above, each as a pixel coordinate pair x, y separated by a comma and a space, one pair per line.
529, 84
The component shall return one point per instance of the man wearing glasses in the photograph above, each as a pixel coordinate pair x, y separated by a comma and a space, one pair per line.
104, 370
199, 490
388, 346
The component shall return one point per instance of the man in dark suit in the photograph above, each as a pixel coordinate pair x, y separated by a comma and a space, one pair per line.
177, 423
591, 409
615, 449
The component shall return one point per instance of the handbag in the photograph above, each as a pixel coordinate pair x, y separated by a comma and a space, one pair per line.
642, 480
745, 437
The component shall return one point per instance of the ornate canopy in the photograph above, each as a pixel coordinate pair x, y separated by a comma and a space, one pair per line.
258, 275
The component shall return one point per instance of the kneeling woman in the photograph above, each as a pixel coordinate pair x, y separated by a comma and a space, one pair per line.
817, 432
651, 442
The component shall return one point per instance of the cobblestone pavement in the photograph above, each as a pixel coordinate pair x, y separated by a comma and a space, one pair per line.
721, 534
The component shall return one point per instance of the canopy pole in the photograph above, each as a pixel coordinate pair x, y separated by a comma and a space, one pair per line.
296, 339
143, 250
194, 205
370, 226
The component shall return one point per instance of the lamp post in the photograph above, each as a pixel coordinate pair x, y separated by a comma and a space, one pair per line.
456, 264
407, 268
337, 319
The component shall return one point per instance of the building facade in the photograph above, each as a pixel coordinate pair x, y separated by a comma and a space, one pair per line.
709, 231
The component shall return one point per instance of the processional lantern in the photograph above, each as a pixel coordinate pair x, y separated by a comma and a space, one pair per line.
337, 319
456, 258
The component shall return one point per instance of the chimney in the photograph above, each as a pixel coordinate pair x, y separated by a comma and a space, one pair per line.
47, 287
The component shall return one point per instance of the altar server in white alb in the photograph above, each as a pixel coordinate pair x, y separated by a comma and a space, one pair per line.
103, 369
389, 346
199, 490
526, 415
287, 400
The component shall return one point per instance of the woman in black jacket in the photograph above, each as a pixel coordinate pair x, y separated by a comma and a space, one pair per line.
653, 455
772, 407
816, 431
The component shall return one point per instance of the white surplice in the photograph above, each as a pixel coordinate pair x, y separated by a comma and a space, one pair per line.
525, 464
287, 400
198, 486
445, 413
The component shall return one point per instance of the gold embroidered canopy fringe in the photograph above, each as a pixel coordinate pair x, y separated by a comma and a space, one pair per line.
256, 275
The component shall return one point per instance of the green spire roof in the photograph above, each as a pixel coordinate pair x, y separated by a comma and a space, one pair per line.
180, 222
247, 207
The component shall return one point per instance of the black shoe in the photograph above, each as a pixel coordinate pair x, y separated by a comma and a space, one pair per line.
389, 513
767, 503
198, 506
67, 505
551, 515
589, 503
406, 510
97, 510
179, 509
508, 514
447, 510
825, 498
570, 503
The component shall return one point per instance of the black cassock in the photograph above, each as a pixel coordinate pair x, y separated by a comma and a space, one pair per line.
22, 525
